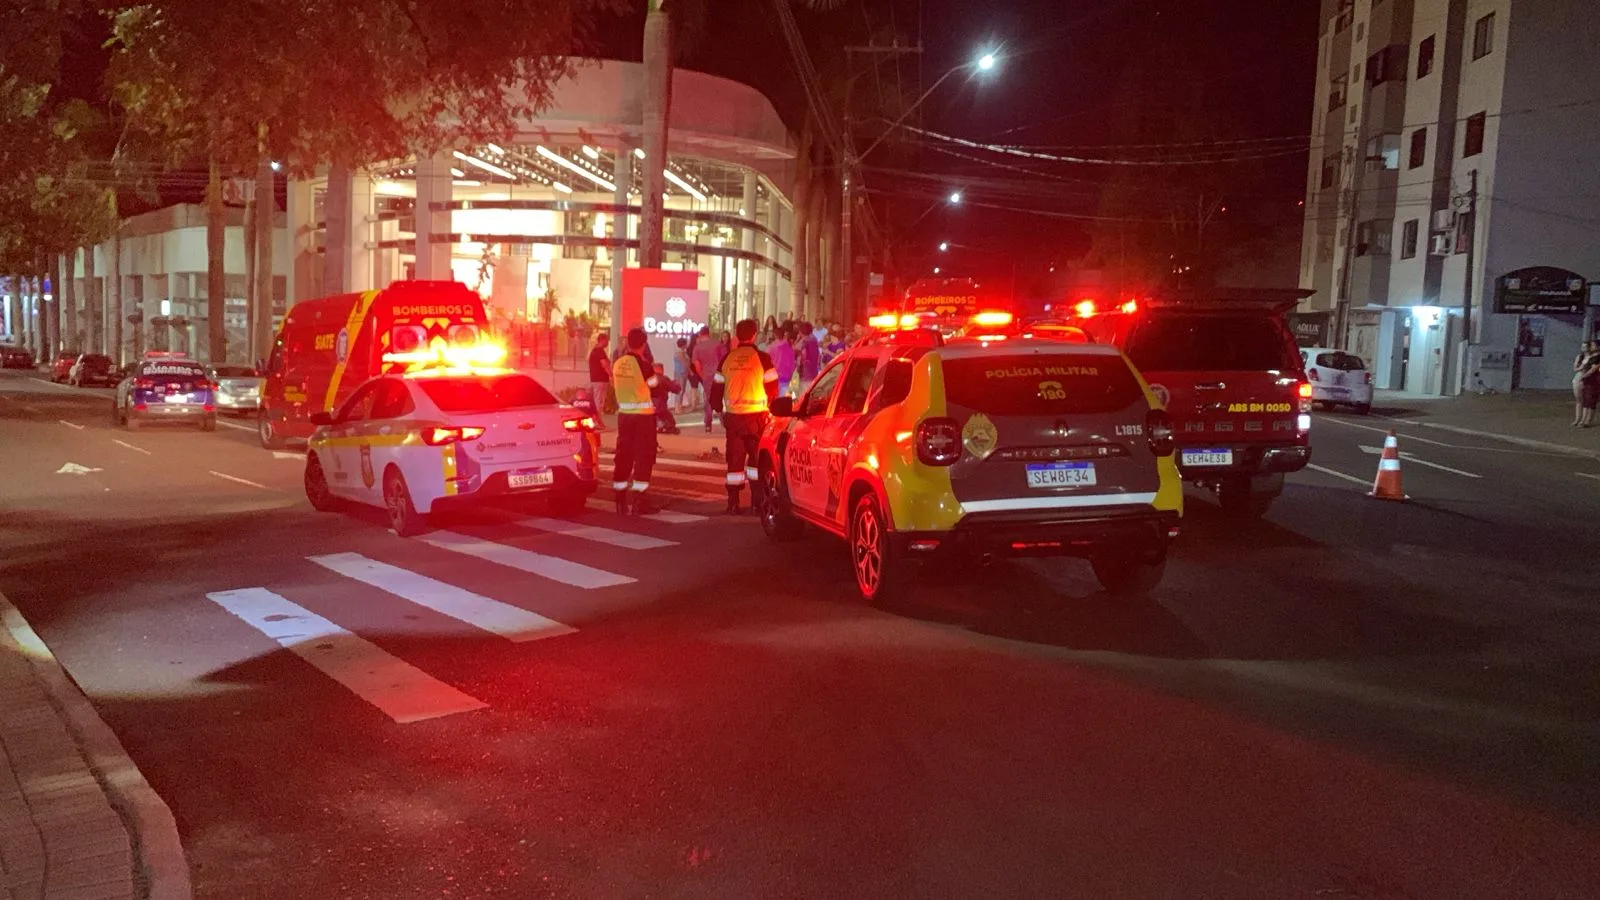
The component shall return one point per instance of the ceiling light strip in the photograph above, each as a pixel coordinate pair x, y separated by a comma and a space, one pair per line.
568, 164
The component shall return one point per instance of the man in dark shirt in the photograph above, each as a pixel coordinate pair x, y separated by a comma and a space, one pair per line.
600, 376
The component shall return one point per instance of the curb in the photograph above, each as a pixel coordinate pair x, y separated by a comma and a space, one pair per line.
158, 855
1549, 446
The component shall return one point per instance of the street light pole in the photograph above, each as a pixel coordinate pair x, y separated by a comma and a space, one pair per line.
847, 185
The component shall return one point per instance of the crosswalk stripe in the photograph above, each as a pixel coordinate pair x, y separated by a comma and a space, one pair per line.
667, 516
402, 691
624, 539
511, 622
552, 567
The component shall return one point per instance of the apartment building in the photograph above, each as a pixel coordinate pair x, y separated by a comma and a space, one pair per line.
1452, 224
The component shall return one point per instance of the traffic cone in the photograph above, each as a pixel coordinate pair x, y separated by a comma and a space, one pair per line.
1387, 484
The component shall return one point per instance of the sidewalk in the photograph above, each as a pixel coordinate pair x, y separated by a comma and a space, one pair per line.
1539, 419
77, 820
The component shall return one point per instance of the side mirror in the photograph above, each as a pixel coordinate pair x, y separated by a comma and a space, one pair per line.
783, 406
321, 418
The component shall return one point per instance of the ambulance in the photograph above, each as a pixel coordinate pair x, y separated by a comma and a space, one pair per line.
328, 347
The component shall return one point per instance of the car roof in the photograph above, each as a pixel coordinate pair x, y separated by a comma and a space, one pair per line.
964, 348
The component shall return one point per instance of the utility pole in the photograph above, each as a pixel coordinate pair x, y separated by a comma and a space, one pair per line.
847, 171
1466, 280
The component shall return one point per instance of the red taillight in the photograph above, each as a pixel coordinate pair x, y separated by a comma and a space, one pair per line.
938, 442
992, 318
584, 424
438, 437
140, 407
1312, 374
1305, 390
1368, 376
145, 384
1158, 432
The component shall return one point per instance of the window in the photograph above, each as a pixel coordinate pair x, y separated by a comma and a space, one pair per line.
1425, 57
1483, 37
1347, 13
1388, 64
360, 403
1383, 152
1330, 171
896, 383
1336, 92
1419, 149
815, 402
393, 401
1408, 239
1464, 225
1217, 342
857, 384
1382, 238
1338, 359
1032, 385
1472, 142
485, 394
1363, 238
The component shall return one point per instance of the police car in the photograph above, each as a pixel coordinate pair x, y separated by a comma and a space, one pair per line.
166, 387
910, 445
424, 440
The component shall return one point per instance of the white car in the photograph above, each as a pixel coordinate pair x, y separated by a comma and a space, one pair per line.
1338, 377
419, 442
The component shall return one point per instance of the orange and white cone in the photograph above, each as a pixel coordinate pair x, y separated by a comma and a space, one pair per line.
1387, 484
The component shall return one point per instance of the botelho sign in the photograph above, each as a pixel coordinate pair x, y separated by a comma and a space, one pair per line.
1541, 289
669, 314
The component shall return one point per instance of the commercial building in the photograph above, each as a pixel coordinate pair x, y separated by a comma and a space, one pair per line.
1451, 224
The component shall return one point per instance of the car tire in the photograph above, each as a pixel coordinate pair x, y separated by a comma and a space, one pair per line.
568, 504
1237, 499
777, 519
270, 440
316, 484
1364, 409
209, 423
882, 576
1123, 575
403, 515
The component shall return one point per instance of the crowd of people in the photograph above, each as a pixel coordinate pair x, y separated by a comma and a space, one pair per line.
798, 349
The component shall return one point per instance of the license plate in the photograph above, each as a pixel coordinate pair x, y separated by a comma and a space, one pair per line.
1339, 392
1060, 474
1207, 457
526, 478
176, 398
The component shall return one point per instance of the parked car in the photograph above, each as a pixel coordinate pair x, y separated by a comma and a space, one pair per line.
61, 366
166, 388
1338, 377
238, 389
14, 357
94, 369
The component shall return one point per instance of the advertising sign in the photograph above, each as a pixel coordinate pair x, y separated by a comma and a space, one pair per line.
1540, 289
1311, 329
672, 313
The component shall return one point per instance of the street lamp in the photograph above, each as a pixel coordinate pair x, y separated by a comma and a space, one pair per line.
984, 63
943, 246
935, 270
955, 196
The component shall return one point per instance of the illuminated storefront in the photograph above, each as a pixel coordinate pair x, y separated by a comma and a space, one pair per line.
542, 224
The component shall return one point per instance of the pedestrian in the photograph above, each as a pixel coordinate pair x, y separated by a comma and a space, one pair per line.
682, 375
1586, 384
707, 358
809, 349
635, 455
659, 394
782, 352
599, 377
749, 383
769, 333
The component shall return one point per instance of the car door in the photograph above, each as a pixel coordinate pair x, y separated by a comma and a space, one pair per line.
801, 458
837, 431
343, 447
380, 437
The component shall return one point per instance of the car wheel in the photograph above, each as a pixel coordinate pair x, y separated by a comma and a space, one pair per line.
209, 423
270, 439
1124, 575
777, 520
1237, 499
403, 515
1364, 409
317, 490
569, 504
881, 575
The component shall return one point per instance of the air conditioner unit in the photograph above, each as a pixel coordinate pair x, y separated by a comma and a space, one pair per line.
1444, 220
1440, 244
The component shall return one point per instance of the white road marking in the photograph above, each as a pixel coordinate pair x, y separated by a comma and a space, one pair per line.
227, 477
552, 567
279, 454
1589, 475
668, 463
1409, 437
510, 622
130, 447
73, 468
226, 424
624, 539
402, 691
666, 516
1327, 471
1408, 457
1485, 435
72, 424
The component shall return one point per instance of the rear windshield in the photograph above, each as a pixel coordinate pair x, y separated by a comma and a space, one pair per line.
485, 393
1232, 343
1343, 361
236, 372
1041, 385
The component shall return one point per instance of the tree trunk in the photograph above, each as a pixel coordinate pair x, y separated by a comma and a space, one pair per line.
250, 248
800, 276
816, 302
93, 311
657, 111
67, 294
114, 285
216, 276
833, 202
266, 205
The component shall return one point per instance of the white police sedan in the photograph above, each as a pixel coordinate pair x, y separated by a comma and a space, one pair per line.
423, 441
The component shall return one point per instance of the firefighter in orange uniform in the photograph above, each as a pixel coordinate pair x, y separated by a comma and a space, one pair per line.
749, 383
632, 378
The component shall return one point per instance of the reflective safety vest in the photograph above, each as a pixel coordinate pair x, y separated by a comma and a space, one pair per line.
632, 386
748, 377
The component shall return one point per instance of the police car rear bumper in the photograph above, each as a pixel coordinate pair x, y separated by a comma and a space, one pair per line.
171, 411
1056, 532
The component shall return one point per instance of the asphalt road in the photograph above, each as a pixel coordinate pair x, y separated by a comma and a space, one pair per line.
1352, 698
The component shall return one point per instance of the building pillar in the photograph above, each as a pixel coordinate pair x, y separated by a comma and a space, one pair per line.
775, 304
300, 220
363, 234
747, 243
336, 207
434, 218
622, 228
